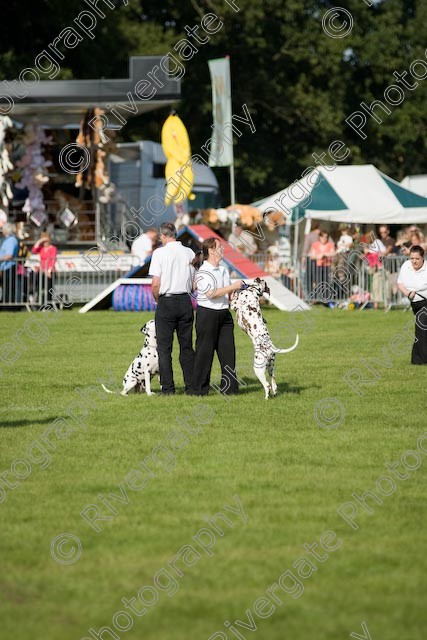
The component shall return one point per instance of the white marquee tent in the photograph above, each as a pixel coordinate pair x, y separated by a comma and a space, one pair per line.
417, 184
351, 193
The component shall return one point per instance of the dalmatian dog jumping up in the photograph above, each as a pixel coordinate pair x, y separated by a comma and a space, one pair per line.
144, 366
245, 303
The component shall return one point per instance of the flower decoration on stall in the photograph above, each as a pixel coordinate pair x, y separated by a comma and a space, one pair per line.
34, 167
5, 163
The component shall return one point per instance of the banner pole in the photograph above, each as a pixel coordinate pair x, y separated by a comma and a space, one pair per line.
232, 180
232, 185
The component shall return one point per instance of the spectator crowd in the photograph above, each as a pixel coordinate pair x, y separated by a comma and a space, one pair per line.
321, 254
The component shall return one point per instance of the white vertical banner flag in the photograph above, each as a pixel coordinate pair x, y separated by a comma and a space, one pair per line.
221, 150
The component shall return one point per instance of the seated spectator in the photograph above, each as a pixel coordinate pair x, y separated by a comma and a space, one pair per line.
358, 296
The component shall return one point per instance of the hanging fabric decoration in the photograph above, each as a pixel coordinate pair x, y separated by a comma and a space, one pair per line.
5, 163
91, 137
34, 167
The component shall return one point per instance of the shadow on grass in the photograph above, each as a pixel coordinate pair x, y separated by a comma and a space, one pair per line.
252, 385
285, 387
11, 424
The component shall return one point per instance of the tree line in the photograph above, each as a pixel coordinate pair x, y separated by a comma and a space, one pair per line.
304, 85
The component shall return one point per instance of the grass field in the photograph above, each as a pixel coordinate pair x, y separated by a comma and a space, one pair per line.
292, 462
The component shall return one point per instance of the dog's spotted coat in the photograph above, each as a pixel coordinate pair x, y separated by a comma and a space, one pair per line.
245, 303
144, 366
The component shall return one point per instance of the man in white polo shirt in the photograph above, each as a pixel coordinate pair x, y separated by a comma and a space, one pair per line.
172, 284
143, 246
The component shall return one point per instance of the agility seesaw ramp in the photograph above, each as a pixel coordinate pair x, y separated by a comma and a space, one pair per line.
280, 296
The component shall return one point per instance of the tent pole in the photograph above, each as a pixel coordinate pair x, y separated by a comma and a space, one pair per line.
296, 238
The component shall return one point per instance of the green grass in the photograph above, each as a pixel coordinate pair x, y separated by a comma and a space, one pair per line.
290, 475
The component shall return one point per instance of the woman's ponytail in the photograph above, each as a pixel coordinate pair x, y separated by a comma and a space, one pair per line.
197, 260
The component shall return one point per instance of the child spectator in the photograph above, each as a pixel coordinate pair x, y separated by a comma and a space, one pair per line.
345, 242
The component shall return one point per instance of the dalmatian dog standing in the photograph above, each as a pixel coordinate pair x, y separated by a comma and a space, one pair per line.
144, 366
245, 303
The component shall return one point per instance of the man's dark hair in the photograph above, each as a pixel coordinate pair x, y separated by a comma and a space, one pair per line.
417, 249
168, 229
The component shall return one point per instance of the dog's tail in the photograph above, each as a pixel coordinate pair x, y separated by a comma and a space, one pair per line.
276, 350
108, 390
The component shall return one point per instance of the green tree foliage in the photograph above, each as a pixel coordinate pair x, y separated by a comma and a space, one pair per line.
298, 83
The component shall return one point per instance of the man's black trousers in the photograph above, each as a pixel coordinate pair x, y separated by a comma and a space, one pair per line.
175, 313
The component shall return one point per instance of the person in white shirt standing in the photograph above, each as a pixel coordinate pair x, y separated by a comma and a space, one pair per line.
214, 323
173, 274
412, 282
142, 246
